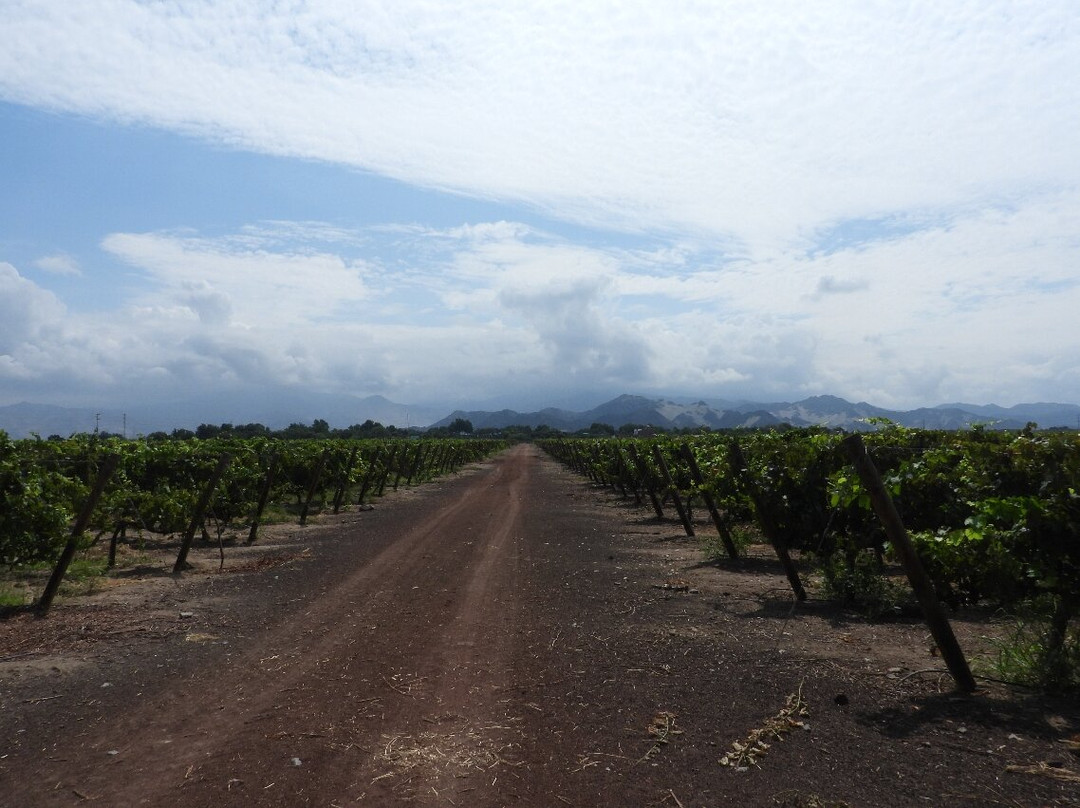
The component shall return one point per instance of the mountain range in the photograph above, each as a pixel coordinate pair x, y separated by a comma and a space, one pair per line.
827, 411
278, 409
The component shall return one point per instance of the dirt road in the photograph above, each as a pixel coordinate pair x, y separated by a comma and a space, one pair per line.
504, 637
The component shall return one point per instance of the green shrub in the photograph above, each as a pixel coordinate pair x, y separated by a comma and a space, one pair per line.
35, 509
1028, 656
857, 580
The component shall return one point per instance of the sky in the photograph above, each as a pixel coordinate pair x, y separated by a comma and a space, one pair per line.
533, 204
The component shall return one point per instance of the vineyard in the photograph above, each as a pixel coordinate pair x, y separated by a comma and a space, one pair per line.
61, 497
993, 517
703, 619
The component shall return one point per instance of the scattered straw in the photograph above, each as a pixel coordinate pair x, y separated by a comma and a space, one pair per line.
455, 754
1046, 770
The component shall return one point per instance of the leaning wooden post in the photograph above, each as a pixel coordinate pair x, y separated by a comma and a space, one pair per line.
684, 517
400, 468
119, 533
886, 511
578, 464
391, 458
369, 475
264, 496
200, 512
343, 480
646, 480
710, 503
434, 466
316, 476
764, 517
108, 466
598, 464
415, 471
627, 475
618, 475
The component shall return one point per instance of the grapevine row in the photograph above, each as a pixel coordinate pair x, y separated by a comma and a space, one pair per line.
193, 486
994, 516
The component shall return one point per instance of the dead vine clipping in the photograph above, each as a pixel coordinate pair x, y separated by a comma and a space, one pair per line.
746, 753
661, 729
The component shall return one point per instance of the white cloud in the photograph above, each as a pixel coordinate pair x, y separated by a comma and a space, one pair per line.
879, 321
59, 264
754, 121
586, 341
502, 306
27, 312
829, 285
43, 348
873, 200
241, 280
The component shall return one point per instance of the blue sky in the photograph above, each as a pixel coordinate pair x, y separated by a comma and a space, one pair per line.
479, 202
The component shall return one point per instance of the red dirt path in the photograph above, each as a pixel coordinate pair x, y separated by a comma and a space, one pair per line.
507, 636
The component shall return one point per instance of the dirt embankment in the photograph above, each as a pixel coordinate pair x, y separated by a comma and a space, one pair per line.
506, 636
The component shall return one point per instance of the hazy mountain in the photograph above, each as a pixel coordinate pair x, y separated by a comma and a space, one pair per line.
276, 409
625, 409
824, 411
279, 408
1045, 415
829, 411
20, 420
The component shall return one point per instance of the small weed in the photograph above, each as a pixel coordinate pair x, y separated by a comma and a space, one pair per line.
277, 513
859, 581
743, 537
714, 549
13, 596
82, 569
137, 559
1023, 657
83, 576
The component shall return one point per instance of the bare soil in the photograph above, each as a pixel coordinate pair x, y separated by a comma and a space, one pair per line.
509, 635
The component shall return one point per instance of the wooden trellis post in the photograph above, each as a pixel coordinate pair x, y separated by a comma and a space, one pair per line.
200, 512
626, 474
646, 480
264, 495
343, 480
108, 466
764, 517
718, 520
316, 476
684, 517
923, 587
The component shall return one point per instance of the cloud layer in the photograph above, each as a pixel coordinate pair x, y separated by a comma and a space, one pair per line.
770, 199
500, 305
759, 122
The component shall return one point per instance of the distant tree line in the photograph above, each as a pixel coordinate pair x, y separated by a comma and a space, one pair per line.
318, 428
459, 427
